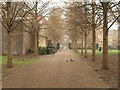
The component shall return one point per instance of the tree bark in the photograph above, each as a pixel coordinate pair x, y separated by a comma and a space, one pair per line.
9, 52
94, 33
38, 40
94, 46
35, 47
36, 31
85, 47
105, 36
75, 45
82, 47
9, 44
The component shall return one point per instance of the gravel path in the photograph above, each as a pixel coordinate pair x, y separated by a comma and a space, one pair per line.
52, 71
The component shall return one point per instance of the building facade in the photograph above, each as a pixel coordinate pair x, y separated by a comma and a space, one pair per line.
21, 40
112, 38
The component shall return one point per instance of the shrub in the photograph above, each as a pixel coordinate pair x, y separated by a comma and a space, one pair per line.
42, 50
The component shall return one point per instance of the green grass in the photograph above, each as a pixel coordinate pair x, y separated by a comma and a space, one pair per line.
23, 61
110, 52
3, 59
18, 61
114, 51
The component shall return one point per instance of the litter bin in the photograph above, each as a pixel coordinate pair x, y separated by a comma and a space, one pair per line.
100, 48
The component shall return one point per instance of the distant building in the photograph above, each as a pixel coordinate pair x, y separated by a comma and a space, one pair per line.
99, 38
112, 38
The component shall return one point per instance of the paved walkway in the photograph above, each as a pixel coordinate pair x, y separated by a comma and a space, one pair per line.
52, 71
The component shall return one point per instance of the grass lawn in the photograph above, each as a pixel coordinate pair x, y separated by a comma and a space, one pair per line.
110, 52
17, 61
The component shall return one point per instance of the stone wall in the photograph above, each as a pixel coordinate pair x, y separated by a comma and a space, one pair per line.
17, 38
21, 40
42, 41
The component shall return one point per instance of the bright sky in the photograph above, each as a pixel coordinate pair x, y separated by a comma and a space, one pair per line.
114, 27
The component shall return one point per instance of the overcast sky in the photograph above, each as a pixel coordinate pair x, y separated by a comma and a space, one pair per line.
61, 3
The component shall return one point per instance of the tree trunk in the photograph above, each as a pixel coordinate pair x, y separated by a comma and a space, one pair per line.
94, 33
36, 32
85, 47
9, 52
82, 47
105, 52
94, 46
74, 45
38, 40
105, 36
35, 47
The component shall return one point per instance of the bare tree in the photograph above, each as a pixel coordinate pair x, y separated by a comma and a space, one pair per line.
96, 22
79, 22
91, 16
12, 12
106, 8
34, 18
96, 19
55, 25
93, 32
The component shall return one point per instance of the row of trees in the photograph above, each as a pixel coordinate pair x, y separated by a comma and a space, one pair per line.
86, 17
29, 13
82, 18
55, 25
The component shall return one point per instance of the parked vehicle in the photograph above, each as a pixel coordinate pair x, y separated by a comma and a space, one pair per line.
51, 49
